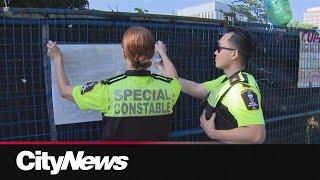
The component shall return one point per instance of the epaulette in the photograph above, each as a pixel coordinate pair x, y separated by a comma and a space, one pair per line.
246, 79
239, 78
114, 79
245, 83
162, 78
234, 79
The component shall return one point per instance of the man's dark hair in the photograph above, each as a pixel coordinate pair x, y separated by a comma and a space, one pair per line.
241, 40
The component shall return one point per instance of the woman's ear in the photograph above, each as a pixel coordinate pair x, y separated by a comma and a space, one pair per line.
123, 54
126, 60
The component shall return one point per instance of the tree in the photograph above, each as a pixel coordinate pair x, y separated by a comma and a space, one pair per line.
140, 11
301, 25
254, 10
69, 4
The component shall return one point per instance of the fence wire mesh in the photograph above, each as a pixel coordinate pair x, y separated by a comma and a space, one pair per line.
26, 111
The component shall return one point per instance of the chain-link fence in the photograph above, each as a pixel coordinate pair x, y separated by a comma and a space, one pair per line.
26, 108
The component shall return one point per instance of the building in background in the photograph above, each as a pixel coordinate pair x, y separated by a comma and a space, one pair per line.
312, 16
210, 10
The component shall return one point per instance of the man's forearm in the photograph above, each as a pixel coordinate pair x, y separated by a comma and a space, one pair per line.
193, 89
169, 69
254, 134
63, 84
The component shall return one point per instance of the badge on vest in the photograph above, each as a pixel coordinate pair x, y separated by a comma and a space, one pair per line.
88, 87
250, 99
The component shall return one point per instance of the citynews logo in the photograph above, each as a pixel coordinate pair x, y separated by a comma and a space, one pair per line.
27, 161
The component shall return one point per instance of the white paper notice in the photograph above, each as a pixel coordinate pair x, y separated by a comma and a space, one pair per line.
84, 63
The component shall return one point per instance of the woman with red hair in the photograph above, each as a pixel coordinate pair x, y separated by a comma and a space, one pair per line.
136, 105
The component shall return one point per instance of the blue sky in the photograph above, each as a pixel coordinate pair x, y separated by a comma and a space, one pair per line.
170, 6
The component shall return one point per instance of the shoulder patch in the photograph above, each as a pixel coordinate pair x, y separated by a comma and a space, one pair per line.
113, 79
88, 87
250, 99
163, 78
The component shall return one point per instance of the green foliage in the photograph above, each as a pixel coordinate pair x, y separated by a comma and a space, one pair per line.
301, 25
66, 4
141, 11
254, 10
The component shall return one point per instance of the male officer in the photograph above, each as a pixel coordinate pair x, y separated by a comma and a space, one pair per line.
233, 111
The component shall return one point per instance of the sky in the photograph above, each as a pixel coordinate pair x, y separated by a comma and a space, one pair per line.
298, 7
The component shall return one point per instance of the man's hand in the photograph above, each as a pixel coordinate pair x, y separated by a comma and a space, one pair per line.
208, 126
54, 51
251, 134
